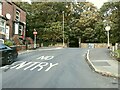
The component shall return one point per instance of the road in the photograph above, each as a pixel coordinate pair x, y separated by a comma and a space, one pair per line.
54, 68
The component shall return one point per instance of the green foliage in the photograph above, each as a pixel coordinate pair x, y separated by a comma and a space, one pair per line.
81, 20
86, 20
53, 32
8, 43
111, 14
118, 53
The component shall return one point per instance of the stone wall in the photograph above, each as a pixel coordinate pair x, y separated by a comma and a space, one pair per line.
84, 45
94, 45
100, 45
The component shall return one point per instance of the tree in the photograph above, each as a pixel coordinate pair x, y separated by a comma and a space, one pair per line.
54, 32
111, 14
86, 15
41, 15
46, 18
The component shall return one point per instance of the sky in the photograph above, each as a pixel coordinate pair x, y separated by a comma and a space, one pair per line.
97, 3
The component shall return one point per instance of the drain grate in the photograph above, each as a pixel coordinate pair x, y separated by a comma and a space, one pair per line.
101, 63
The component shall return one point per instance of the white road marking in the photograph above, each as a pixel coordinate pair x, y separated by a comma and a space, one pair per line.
21, 65
40, 66
45, 57
4, 67
34, 63
51, 65
49, 57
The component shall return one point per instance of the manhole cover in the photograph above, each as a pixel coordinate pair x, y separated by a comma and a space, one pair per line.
101, 63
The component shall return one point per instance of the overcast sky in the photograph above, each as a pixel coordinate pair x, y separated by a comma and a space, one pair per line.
97, 3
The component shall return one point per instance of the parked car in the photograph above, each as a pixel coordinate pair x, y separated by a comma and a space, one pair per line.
7, 54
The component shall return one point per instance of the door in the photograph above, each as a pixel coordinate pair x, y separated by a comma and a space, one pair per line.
7, 32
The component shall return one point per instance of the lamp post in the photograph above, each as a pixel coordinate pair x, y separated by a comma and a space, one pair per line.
107, 28
63, 30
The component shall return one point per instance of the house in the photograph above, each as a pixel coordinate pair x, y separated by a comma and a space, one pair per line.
12, 21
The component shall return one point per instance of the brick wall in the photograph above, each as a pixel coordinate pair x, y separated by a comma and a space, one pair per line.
22, 13
10, 7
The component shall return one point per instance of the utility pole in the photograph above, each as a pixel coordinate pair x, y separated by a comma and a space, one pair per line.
63, 30
107, 28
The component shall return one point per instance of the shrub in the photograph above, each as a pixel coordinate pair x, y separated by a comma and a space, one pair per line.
8, 43
118, 53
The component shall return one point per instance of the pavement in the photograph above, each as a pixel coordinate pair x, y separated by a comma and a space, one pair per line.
38, 49
25, 51
101, 62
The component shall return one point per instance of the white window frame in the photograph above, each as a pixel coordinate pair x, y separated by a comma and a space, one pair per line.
2, 26
0, 8
16, 28
21, 29
17, 15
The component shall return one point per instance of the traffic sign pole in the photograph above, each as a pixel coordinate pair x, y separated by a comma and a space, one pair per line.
35, 33
34, 41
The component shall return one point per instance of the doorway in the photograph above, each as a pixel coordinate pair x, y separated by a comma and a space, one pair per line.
73, 42
7, 32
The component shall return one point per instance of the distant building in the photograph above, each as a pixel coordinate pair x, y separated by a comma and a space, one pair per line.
12, 21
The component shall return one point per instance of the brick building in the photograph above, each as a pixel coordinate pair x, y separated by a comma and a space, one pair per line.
12, 21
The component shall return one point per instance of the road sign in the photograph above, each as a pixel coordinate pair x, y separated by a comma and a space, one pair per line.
34, 32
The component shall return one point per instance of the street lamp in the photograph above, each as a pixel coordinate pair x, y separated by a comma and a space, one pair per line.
63, 30
107, 28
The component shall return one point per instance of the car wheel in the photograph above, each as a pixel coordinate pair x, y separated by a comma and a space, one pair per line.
9, 59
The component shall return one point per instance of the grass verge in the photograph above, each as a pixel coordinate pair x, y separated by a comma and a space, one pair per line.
118, 54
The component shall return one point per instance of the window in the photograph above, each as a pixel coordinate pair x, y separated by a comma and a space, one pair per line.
17, 15
0, 8
16, 28
20, 30
2, 26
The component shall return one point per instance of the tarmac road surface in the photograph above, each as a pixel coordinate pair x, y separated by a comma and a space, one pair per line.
54, 68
